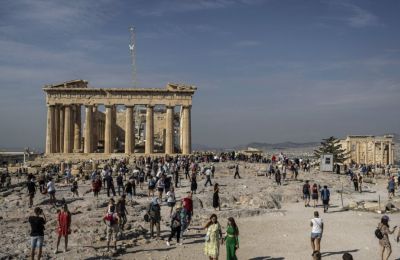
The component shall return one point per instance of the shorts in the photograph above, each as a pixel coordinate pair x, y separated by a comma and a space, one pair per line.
31, 195
391, 190
52, 192
325, 202
37, 241
160, 189
316, 235
171, 204
306, 195
315, 196
112, 232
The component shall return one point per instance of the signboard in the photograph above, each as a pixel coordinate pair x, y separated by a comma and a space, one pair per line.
326, 164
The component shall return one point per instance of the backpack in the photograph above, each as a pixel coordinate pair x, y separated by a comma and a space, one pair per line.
306, 188
109, 218
378, 233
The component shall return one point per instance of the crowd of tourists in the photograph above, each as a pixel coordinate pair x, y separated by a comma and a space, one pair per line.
158, 178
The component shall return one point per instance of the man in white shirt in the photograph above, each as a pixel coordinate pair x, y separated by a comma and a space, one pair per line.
317, 228
208, 176
51, 190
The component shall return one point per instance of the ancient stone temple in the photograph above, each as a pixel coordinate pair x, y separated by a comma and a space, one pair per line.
73, 131
369, 149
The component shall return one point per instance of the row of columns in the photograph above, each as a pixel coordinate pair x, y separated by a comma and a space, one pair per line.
64, 129
390, 152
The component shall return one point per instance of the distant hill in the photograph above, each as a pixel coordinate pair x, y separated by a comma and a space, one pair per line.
284, 145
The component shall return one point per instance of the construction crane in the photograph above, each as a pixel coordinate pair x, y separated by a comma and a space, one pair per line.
132, 50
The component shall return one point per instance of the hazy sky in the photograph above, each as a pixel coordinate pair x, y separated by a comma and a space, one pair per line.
266, 71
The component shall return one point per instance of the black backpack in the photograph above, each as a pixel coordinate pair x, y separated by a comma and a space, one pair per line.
378, 233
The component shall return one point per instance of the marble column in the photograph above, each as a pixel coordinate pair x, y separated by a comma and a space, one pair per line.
108, 131
187, 142
57, 128
374, 152
149, 146
50, 135
383, 154
169, 130
390, 153
88, 147
181, 129
114, 128
366, 153
77, 129
357, 152
61, 136
129, 131
95, 131
67, 129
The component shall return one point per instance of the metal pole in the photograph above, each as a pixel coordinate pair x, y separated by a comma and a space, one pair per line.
341, 195
379, 202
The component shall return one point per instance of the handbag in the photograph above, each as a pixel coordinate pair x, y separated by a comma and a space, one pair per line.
146, 217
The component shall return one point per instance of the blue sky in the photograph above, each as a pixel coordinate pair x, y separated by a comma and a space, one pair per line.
266, 70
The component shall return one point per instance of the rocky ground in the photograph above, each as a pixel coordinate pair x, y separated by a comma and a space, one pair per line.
273, 222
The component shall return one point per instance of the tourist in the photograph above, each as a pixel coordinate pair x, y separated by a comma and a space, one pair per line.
122, 212
154, 212
31, 191
360, 182
391, 187
236, 171
151, 186
306, 194
232, 239
129, 190
212, 170
141, 178
278, 176
171, 199
213, 238
216, 201
208, 177
317, 229
175, 224
37, 223
110, 185
160, 186
314, 194
51, 190
193, 182
384, 242
111, 219
96, 186
185, 220
120, 183
64, 227
188, 205
355, 182
74, 188
325, 197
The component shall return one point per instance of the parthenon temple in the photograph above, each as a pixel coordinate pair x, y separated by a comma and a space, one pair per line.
369, 149
129, 130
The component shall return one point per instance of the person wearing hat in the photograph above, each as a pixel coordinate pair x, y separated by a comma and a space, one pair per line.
383, 226
175, 224
154, 213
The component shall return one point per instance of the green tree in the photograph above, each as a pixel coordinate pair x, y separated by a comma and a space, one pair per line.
331, 146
